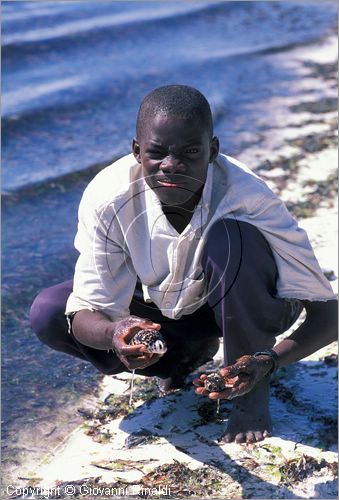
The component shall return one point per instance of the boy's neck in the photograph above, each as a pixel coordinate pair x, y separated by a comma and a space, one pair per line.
180, 215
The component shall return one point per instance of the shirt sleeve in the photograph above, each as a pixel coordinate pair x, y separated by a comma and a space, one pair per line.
104, 278
299, 273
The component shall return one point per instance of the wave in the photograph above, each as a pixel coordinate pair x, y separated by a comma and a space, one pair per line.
91, 25
45, 94
74, 73
60, 27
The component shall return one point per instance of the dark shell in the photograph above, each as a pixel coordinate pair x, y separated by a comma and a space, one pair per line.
152, 339
214, 382
217, 383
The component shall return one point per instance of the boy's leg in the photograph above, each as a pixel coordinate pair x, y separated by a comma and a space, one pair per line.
48, 321
241, 274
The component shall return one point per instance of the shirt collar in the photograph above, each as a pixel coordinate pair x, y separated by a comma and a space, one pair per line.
199, 218
205, 199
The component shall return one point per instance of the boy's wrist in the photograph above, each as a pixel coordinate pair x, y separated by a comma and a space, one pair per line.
270, 355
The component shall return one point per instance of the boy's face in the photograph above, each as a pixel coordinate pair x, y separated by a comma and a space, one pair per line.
174, 154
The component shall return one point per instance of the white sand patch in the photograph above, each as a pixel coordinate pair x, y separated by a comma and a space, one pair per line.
312, 169
179, 433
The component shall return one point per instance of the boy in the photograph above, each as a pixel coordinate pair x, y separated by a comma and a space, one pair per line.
179, 238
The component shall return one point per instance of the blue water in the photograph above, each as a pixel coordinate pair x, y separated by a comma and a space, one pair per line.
74, 72
73, 75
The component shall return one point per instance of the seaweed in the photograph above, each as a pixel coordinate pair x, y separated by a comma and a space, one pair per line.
141, 437
184, 482
122, 465
331, 359
298, 469
323, 105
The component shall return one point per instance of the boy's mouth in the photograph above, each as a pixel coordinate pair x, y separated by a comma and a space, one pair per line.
170, 184
165, 182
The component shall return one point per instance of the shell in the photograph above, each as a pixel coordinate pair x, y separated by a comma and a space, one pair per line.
152, 339
217, 383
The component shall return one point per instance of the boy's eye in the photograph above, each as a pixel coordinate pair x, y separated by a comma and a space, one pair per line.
191, 151
156, 153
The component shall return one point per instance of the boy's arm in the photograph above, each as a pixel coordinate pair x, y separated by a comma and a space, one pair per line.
318, 330
93, 329
96, 330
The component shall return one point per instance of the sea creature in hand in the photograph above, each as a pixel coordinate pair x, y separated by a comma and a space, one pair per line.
152, 339
215, 382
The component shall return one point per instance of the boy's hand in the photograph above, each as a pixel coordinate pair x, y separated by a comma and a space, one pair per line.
247, 371
133, 356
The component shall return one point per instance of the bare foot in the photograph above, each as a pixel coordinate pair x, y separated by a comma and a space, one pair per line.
250, 419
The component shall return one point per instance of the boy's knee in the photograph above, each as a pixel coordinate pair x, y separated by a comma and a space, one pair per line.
230, 239
46, 316
223, 239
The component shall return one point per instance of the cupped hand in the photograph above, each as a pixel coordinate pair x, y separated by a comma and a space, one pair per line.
245, 373
133, 356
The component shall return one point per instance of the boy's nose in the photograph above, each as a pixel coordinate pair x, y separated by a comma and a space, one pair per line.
171, 163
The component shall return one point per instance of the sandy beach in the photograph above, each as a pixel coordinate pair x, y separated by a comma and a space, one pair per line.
166, 446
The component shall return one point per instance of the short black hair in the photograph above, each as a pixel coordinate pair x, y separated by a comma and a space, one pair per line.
181, 101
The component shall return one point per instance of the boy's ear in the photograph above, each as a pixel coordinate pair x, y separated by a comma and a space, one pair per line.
214, 148
136, 150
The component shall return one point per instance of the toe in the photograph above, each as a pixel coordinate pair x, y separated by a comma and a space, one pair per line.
240, 437
227, 438
250, 437
258, 436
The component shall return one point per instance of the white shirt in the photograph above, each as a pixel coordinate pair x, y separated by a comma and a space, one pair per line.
123, 233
